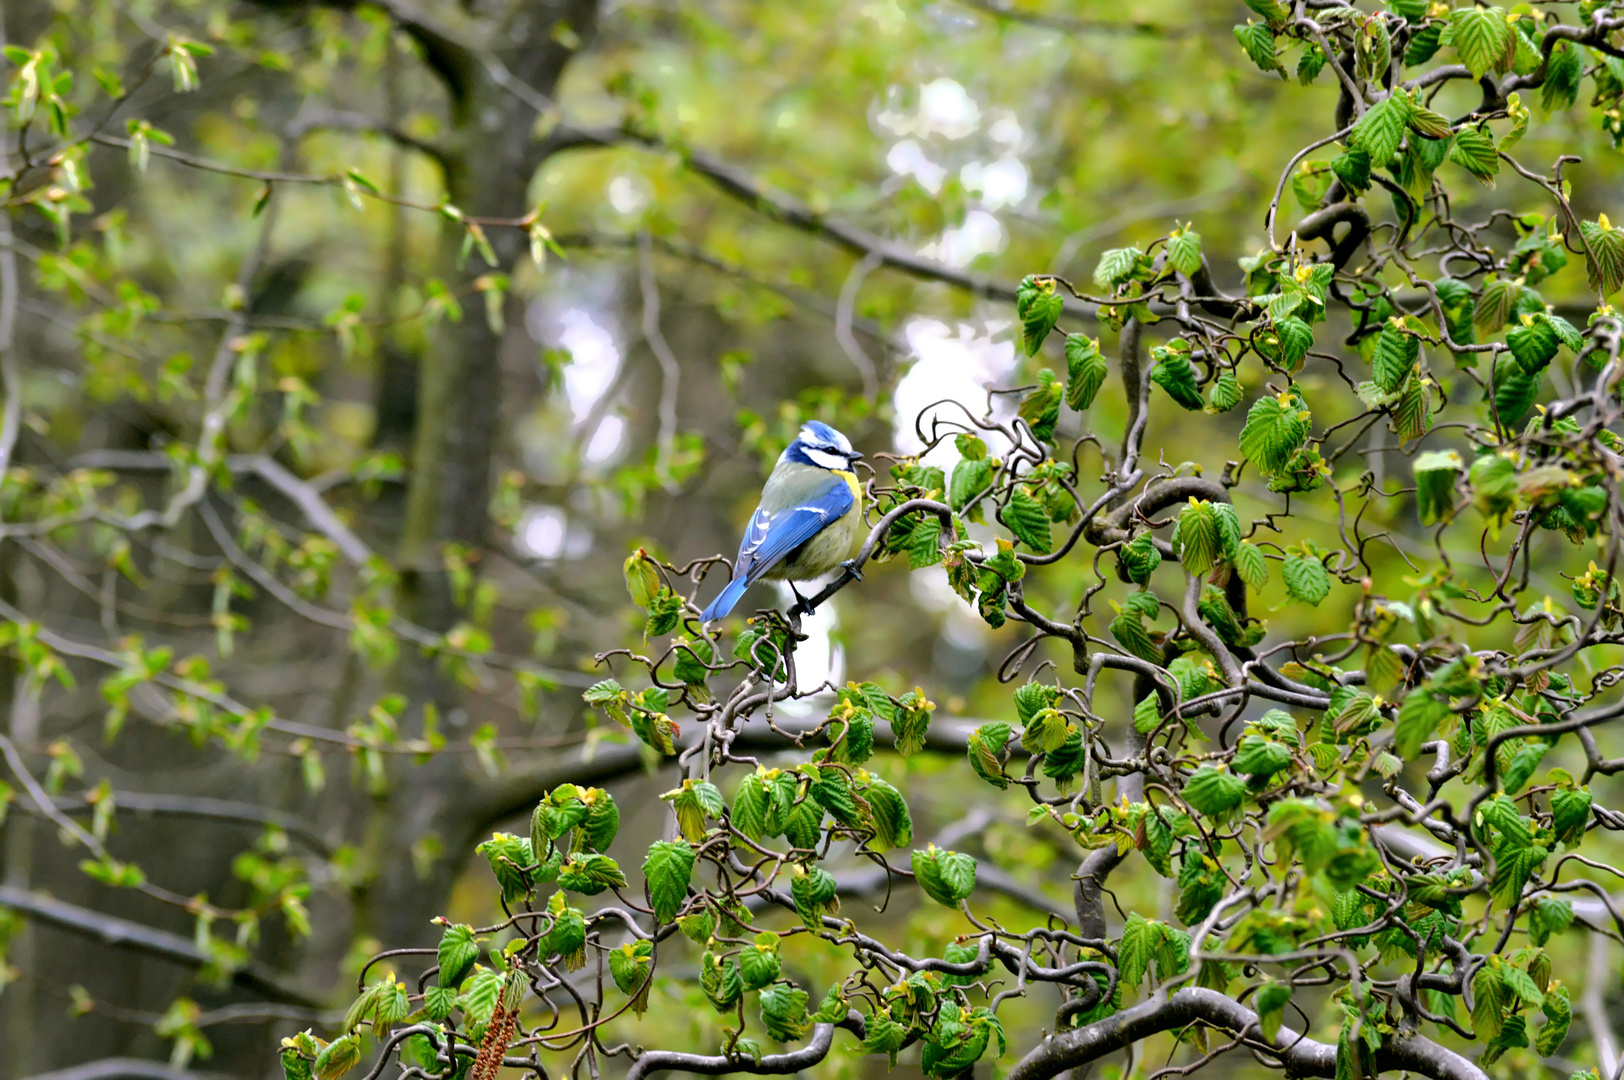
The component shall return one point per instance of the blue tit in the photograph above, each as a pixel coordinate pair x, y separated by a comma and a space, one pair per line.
810, 514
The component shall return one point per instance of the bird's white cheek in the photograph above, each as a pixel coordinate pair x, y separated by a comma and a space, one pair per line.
826, 460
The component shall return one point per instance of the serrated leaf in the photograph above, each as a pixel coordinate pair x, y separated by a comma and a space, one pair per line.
1038, 305
1482, 37
1275, 430
1563, 74
1029, 521
1381, 129
1257, 755
1473, 150
1199, 542
1184, 252
1211, 792
1604, 254
1257, 40
1139, 558
947, 877
1251, 565
456, 954
1173, 373
984, 746
1117, 267
888, 811
1397, 354
1086, 370
1570, 814
1419, 716
1306, 578
1495, 303
1435, 475
970, 478
1514, 392
668, 869
1225, 392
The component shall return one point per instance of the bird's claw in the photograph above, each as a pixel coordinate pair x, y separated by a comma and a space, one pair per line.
850, 566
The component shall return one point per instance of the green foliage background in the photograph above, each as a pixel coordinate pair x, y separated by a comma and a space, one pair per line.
373, 226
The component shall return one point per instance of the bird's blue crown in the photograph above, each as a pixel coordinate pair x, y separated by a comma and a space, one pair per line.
820, 446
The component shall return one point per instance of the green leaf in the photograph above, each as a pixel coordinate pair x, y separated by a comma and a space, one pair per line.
1038, 305
883, 1035
1257, 755
751, 806
590, 874
1550, 915
1118, 266
813, 891
1306, 578
970, 478
1570, 814
783, 1011
1563, 73
642, 578
1381, 129
1225, 392
1173, 373
925, 543
1041, 407
1309, 65
1397, 354
1424, 44
1565, 331
1086, 370
1029, 521
721, 982
984, 746
1436, 473
337, 1058
760, 964
692, 659
1490, 999
668, 869
1258, 42
1271, 1001
948, 877
1252, 565
456, 954
1212, 793
1139, 558
1558, 1009
1197, 538
1129, 631
893, 825
1495, 303
1275, 429
1353, 169
1473, 150
1296, 338
1482, 37
438, 1001
1604, 255
1514, 392
1140, 939
1184, 252
1419, 716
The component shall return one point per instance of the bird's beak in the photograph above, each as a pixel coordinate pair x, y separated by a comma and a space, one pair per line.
855, 456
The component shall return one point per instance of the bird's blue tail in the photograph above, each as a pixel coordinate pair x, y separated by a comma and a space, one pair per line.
723, 604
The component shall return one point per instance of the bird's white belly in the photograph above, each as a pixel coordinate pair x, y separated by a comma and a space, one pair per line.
823, 552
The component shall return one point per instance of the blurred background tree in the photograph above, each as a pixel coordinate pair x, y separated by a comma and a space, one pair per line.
348, 348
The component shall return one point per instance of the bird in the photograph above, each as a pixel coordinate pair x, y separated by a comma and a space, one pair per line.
810, 513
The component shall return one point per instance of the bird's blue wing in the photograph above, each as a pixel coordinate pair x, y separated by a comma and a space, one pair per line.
771, 538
